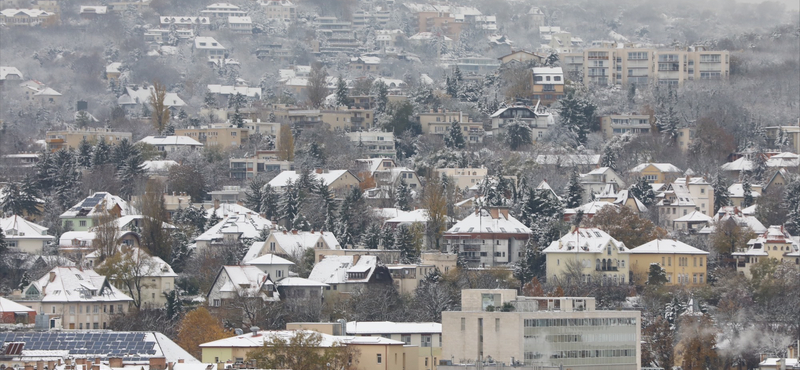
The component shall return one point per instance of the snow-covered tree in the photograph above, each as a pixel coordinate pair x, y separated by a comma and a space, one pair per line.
518, 134
254, 194
656, 275
747, 189
372, 237
643, 191
454, 138
577, 114
721, 195
402, 196
342, 98
289, 204
405, 242
574, 191
85, 154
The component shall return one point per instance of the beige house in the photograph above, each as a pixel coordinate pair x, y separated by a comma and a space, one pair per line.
348, 119
292, 244
682, 263
438, 122
157, 276
591, 252
57, 140
25, 236
488, 237
425, 337
775, 243
521, 56
617, 124
540, 332
685, 138
660, 173
25, 17
74, 298
464, 177
280, 9
218, 134
340, 182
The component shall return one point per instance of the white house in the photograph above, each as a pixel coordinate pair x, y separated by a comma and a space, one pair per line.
234, 227
598, 257
209, 48
171, 143
488, 237
25, 236
234, 282
292, 244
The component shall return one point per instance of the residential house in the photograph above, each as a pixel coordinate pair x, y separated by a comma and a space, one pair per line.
171, 143
620, 124
234, 283
82, 242
488, 237
209, 48
348, 119
595, 182
789, 134
775, 243
113, 71
742, 219
184, 22
681, 263
588, 210
24, 236
222, 210
83, 215
579, 162
692, 222
464, 178
292, 244
221, 11
425, 337
374, 144
224, 93
223, 135
536, 118
228, 194
9, 74
239, 24
620, 199
74, 298
388, 38
521, 56
26, 17
157, 277
548, 84
273, 265
339, 182
406, 277
701, 191
365, 64
371, 353
135, 98
685, 138
656, 172
14, 313
47, 96
438, 122
601, 258
676, 201
477, 65
233, 228
262, 162
736, 194
283, 10
71, 138
347, 274
387, 181
540, 332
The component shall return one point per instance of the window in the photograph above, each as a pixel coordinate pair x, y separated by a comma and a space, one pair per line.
96, 325
426, 340
379, 358
463, 322
272, 246
669, 261
497, 324
406, 338
216, 303
82, 223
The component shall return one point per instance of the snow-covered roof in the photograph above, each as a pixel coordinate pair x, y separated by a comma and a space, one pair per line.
7, 305
158, 166
255, 341
247, 225
695, 216
33, 13
624, 195
269, 259
72, 284
663, 167
225, 209
589, 208
428, 36
296, 242
250, 92
409, 217
151, 266
741, 164
741, 219
737, 191
483, 222
170, 140
135, 96
366, 60
183, 20
682, 196
389, 327
5, 71
568, 160
16, 227
246, 280
206, 43
327, 177
90, 206
47, 91
221, 6
239, 20
666, 246
334, 269
298, 281
585, 240
96, 9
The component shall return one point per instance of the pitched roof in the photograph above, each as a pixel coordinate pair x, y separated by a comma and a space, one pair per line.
483, 222
7, 305
47, 92
255, 341
16, 227
72, 284
170, 140
296, 242
741, 164
737, 191
269, 259
327, 177
225, 209
334, 269
205, 42
243, 280
5, 71
663, 167
585, 240
666, 246
298, 281
91, 205
135, 96
695, 216
247, 224
389, 327
152, 266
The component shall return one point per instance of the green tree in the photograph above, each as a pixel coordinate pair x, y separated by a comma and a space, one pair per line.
643, 191
269, 202
578, 116
237, 102
102, 153
531, 265
20, 200
405, 242
518, 134
155, 238
574, 191
85, 154
402, 119
454, 138
747, 189
382, 96
82, 119
303, 350
656, 275
341, 93
189, 179
402, 196
254, 194
317, 88
722, 197
3, 244
290, 204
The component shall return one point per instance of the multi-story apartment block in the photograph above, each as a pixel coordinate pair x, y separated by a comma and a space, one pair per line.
548, 84
775, 243
597, 256
488, 237
682, 263
497, 325
374, 144
622, 65
438, 122
71, 139
240, 24
280, 9
263, 162
216, 134
464, 178
348, 119
75, 298
619, 124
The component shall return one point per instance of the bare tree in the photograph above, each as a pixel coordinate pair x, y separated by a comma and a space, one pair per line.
435, 201
130, 270
160, 115
154, 236
317, 88
106, 236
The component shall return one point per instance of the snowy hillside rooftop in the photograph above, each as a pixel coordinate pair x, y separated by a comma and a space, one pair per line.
666, 246
585, 240
388, 327
493, 221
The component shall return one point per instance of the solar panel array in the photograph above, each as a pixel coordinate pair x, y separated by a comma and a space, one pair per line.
93, 201
132, 346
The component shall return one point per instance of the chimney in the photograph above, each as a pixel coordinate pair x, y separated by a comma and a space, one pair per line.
356, 257
158, 363
97, 360
95, 367
39, 365
284, 232
50, 365
318, 170
216, 204
494, 212
80, 361
170, 364
28, 366
115, 361
294, 231
52, 276
180, 360
254, 330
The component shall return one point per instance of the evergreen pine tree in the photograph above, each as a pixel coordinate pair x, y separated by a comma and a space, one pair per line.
387, 238
3, 244
402, 196
328, 200
747, 189
341, 93
84, 154
531, 264
518, 134
254, 194
121, 152
132, 170
382, 93
791, 202
404, 242
290, 204
102, 153
721, 195
643, 191
574, 191
269, 203
213, 220
372, 237
454, 138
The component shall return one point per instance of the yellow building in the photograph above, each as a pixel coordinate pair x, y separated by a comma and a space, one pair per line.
57, 140
618, 124
439, 121
521, 56
373, 353
659, 173
685, 138
547, 84
464, 177
223, 135
590, 253
775, 243
348, 119
682, 263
